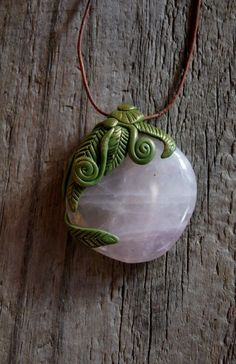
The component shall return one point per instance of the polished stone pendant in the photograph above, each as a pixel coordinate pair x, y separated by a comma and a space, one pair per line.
129, 191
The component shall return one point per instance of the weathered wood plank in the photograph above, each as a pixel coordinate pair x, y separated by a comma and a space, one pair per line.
60, 302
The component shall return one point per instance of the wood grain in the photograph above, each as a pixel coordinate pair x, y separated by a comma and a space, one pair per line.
59, 301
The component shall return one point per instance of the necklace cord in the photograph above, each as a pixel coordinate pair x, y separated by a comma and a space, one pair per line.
184, 72
81, 62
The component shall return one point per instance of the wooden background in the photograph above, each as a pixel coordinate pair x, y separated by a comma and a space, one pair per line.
59, 301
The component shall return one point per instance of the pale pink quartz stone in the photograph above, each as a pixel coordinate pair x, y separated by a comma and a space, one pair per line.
147, 207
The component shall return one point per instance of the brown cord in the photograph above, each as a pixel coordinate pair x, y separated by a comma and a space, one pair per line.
81, 62
183, 78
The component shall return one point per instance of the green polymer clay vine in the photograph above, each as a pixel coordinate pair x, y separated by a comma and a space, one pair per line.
100, 152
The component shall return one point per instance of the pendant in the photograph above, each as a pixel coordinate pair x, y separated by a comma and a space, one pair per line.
129, 191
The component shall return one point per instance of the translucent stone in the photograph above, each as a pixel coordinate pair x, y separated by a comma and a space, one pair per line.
147, 207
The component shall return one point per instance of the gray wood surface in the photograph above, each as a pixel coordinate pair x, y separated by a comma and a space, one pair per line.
59, 301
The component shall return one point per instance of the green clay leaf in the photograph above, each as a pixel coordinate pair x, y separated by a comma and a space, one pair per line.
117, 148
91, 237
89, 147
151, 130
129, 116
73, 194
